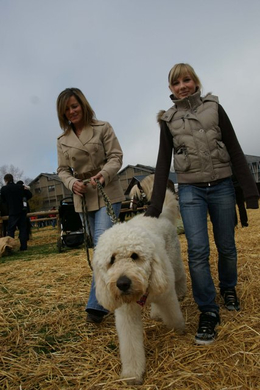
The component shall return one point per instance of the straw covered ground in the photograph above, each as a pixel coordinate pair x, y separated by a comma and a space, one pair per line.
45, 342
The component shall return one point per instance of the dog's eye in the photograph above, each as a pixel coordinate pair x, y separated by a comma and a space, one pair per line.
112, 259
134, 256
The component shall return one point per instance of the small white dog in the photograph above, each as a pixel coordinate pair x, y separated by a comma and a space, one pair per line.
135, 263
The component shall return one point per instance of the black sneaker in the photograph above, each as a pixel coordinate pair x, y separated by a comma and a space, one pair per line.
206, 332
230, 298
95, 316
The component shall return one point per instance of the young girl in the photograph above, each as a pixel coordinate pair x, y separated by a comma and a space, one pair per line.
199, 133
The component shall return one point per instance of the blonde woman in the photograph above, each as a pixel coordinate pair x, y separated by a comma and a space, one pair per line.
199, 134
89, 149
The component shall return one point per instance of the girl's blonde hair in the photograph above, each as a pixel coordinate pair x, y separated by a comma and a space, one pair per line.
180, 70
88, 113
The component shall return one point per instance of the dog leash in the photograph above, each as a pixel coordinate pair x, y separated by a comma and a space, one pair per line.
88, 240
110, 211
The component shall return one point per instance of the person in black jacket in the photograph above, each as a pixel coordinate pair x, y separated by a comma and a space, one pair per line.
13, 195
28, 221
3, 213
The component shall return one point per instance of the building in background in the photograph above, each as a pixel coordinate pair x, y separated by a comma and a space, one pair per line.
131, 171
51, 189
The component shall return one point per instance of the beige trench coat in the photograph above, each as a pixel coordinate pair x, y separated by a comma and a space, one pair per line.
97, 148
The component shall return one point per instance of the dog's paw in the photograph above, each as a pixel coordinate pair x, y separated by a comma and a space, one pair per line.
155, 316
134, 381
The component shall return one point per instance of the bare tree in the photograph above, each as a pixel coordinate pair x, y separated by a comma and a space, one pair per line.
15, 171
27, 180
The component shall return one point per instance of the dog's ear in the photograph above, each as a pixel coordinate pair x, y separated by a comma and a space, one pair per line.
158, 279
102, 292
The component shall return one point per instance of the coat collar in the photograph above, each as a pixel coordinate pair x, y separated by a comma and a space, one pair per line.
189, 103
70, 139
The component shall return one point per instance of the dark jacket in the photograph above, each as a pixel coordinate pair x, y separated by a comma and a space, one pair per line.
12, 195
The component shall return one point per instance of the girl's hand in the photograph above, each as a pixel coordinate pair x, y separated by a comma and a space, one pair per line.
99, 178
79, 188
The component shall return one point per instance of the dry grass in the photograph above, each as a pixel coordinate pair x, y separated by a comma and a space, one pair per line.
46, 344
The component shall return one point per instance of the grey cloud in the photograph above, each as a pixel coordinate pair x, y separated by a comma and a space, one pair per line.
119, 53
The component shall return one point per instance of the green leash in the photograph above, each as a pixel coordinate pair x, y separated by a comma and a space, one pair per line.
88, 240
110, 211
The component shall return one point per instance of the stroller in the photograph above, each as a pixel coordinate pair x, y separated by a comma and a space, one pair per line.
72, 232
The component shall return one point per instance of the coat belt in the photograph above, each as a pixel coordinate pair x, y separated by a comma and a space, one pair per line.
86, 175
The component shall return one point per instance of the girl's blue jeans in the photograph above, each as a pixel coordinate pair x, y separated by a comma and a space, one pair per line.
195, 204
99, 221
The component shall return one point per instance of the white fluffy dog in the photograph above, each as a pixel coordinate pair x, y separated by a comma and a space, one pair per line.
135, 263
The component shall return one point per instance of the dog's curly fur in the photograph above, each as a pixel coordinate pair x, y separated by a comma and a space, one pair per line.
134, 259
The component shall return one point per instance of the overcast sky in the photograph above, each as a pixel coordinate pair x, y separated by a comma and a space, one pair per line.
119, 53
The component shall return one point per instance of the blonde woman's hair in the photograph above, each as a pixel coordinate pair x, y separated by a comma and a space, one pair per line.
179, 70
88, 113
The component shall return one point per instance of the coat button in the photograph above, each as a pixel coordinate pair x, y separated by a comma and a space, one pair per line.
201, 130
73, 158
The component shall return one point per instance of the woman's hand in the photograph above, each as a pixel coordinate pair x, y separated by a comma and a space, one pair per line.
79, 188
96, 178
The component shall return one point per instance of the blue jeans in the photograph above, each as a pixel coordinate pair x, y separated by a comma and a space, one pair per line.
99, 221
195, 204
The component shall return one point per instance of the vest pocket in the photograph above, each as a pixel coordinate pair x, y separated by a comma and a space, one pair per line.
181, 160
222, 152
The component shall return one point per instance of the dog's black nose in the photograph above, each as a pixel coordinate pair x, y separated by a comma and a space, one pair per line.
123, 283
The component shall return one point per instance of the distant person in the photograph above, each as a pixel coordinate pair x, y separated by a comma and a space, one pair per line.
89, 149
3, 213
41, 224
54, 216
199, 133
13, 195
27, 206
32, 218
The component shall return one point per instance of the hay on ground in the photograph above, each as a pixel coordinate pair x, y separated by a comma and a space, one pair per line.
45, 342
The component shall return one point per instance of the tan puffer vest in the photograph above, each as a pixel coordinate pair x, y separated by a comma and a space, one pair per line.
199, 153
